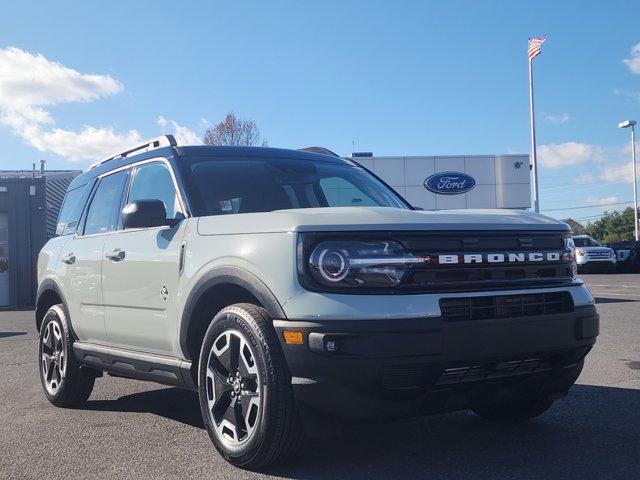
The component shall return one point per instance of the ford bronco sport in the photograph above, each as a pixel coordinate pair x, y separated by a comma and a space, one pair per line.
295, 291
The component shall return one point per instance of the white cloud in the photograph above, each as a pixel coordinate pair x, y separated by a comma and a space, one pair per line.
618, 173
30, 82
557, 119
557, 155
634, 61
19, 119
626, 93
89, 142
602, 201
608, 164
184, 135
585, 178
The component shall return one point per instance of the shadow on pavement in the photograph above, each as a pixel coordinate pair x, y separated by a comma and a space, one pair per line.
172, 403
11, 334
592, 433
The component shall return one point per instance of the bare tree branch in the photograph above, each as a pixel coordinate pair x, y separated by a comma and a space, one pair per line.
234, 131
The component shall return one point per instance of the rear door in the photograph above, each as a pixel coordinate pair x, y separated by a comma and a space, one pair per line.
141, 269
80, 265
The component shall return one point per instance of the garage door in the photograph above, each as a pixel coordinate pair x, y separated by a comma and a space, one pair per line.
4, 260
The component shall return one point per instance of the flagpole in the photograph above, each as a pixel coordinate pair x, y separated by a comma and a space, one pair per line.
534, 155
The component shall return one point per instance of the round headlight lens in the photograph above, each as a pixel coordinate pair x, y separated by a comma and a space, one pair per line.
359, 263
333, 265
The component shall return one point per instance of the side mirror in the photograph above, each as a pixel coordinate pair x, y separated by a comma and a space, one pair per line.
145, 214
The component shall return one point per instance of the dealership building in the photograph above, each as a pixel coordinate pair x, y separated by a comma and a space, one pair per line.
453, 182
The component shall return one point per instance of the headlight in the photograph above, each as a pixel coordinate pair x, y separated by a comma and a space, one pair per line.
581, 252
350, 264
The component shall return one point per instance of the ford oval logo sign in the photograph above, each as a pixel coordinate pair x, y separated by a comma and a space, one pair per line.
449, 183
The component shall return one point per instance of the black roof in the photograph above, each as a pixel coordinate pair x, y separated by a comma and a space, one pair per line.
173, 152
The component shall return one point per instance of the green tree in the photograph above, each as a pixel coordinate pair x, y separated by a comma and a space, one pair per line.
612, 226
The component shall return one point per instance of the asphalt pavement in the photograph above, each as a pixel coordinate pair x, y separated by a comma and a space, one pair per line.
131, 429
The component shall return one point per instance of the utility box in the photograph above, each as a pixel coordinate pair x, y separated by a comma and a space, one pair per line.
29, 207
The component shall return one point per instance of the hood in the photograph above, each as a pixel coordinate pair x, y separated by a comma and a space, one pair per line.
376, 218
595, 249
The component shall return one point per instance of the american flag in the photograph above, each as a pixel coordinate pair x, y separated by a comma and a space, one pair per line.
534, 47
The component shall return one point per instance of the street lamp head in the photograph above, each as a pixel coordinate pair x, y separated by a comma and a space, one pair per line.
626, 124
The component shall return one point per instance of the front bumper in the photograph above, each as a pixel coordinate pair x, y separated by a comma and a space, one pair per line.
393, 368
582, 260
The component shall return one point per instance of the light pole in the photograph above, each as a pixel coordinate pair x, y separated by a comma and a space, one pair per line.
632, 124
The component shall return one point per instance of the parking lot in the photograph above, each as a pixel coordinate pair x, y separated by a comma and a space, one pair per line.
131, 429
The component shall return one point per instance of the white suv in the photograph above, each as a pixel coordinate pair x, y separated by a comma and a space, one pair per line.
590, 253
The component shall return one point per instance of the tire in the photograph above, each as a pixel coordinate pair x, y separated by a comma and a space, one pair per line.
64, 381
267, 429
516, 411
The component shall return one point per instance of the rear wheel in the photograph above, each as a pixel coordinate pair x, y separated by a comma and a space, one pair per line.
65, 382
515, 411
245, 391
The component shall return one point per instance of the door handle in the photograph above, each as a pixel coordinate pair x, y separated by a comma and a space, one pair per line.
116, 255
69, 258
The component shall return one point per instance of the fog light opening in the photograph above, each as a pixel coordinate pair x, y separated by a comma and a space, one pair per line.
331, 346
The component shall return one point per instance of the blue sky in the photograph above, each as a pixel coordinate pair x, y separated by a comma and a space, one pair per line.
396, 78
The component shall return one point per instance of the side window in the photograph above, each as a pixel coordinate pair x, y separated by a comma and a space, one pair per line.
341, 192
153, 181
103, 210
72, 207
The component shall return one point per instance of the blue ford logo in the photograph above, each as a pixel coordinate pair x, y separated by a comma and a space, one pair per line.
449, 183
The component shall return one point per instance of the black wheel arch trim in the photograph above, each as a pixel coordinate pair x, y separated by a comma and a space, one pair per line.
227, 275
49, 284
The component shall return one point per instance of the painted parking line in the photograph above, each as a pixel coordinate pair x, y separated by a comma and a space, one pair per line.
616, 294
614, 286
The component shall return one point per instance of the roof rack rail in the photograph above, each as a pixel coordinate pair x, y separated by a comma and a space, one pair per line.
323, 150
156, 142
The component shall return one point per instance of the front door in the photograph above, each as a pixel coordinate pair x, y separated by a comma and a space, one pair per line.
141, 270
81, 259
81, 270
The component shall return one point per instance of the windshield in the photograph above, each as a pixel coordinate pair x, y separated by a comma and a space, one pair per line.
585, 242
223, 186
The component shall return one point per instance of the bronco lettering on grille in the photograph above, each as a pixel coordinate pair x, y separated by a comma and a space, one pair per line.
507, 257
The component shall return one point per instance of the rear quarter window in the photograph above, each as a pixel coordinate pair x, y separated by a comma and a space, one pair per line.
71, 211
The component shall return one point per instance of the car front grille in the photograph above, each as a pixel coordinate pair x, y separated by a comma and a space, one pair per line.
486, 371
408, 377
484, 275
505, 306
598, 255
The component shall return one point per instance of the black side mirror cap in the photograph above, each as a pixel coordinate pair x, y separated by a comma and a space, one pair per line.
145, 214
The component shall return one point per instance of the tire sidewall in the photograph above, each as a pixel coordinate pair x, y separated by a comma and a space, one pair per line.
236, 318
56, 314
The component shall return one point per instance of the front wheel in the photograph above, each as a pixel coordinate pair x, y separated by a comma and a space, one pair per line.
245, 391
65, 382
515, 411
